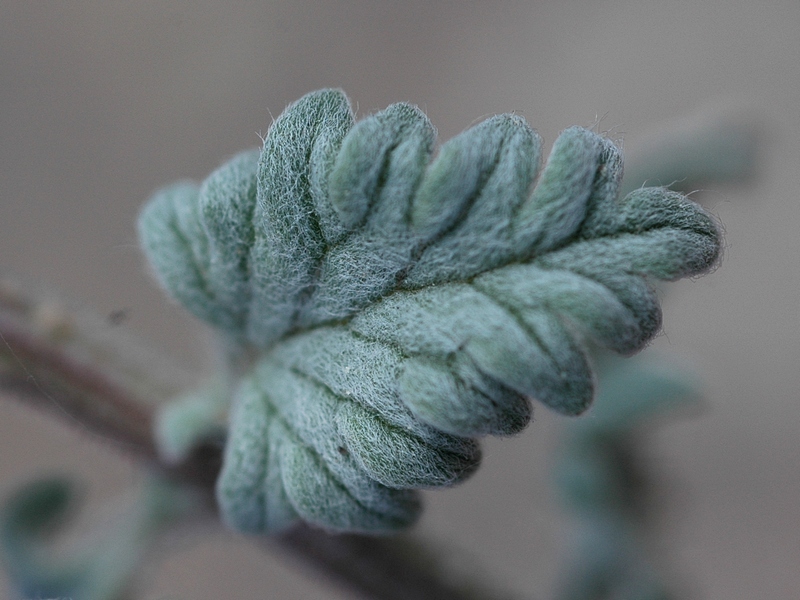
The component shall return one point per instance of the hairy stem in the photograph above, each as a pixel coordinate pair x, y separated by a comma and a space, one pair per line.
51, 379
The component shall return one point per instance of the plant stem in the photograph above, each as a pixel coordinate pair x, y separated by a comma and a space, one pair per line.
65, 362
44, 375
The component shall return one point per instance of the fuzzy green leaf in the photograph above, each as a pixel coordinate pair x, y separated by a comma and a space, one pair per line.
403, 305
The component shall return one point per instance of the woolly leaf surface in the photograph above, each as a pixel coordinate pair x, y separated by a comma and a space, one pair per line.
404, 301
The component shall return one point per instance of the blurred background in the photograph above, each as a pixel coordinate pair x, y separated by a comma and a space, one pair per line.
101, 103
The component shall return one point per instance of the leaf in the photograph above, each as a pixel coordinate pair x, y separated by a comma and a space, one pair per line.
602, 480
597, 469
404, 305
97, 565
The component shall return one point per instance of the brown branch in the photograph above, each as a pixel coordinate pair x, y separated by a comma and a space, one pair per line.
53, 380
54, 359
386, 568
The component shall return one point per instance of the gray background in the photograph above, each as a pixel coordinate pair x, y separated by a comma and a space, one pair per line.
100, 103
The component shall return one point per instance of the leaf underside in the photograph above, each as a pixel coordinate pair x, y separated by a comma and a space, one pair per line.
405, 304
